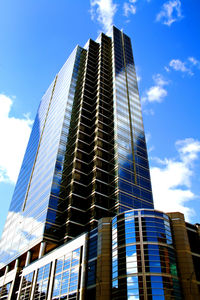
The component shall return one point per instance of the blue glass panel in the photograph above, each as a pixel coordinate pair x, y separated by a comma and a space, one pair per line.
125, 186
159, 297
40, 162
130, 214
115, 283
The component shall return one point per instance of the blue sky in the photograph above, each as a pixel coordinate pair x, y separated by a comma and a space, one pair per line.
37, 36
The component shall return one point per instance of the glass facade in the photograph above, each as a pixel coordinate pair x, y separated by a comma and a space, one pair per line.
132, 173
41, 288
66, 278
92, 258
86, 157
143, 257
86, 170
58, 275
35, 208
26, 288
66, 281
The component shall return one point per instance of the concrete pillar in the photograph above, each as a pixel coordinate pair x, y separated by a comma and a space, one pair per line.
28, 258
42, 249
17, 263
83, 272
6, 270
51, 280
33, 285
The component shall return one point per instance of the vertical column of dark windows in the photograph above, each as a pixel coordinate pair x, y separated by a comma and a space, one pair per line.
102, 173
194, 238
69, 182
90, 103
122, 272
91, 261
82, 163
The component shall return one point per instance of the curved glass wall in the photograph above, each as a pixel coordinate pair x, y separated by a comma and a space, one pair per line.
143, 257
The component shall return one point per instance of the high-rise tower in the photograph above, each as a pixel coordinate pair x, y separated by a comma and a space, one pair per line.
86, 157
82, 224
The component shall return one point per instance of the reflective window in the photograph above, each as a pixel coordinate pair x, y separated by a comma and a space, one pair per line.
66, 276
152, 229
41, 287
26, 288
4, 291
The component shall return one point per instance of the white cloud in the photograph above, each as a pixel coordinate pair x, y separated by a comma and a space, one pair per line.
194, 62
103, 11
129, 8
183, 66
159, 80
14, 134
171, 180
178, 65
157, 92
170, 12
